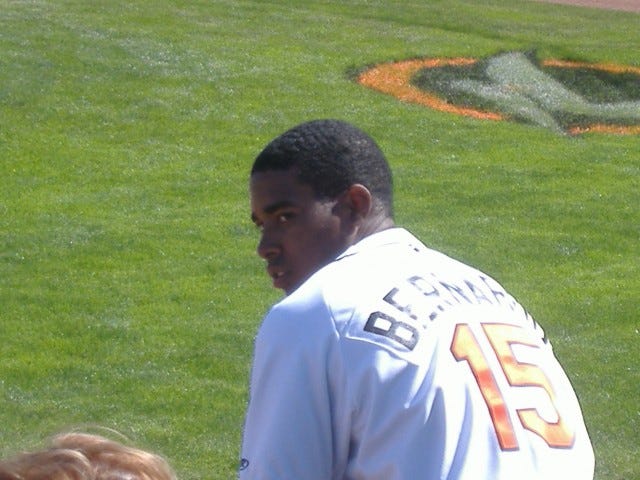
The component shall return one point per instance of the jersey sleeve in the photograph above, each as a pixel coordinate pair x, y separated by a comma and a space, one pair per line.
288, 429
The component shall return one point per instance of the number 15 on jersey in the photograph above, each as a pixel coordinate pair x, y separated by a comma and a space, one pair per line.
465, 346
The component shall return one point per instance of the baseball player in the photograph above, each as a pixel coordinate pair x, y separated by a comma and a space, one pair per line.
387, 360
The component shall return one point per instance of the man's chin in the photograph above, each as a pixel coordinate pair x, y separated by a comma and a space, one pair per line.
283, 282
287, 283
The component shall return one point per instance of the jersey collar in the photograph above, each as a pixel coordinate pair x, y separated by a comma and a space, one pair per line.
389, 236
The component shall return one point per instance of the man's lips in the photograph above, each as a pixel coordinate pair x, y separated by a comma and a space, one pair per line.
277, 274
281, 278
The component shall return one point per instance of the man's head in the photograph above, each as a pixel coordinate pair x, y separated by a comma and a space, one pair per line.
316, 190
330, 156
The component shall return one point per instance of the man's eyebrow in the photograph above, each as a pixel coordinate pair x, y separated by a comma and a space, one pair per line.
274, 207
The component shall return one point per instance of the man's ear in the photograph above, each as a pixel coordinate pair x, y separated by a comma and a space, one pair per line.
358, 201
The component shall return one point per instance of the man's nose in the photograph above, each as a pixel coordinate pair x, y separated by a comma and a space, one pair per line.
267, 247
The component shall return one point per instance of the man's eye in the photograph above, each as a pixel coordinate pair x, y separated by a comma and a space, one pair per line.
285, 217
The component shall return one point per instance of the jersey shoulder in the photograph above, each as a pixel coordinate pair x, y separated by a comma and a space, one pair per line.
402, 296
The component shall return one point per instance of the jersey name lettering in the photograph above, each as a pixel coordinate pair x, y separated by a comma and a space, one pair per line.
387, 326
419, 301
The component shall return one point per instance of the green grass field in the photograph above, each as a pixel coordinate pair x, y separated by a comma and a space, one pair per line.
129, 288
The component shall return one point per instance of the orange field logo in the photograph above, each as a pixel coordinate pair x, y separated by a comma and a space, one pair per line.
562, 95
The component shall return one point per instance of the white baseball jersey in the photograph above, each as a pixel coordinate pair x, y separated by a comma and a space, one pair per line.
396, 362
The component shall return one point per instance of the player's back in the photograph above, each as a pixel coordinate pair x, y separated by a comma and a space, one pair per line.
444, 374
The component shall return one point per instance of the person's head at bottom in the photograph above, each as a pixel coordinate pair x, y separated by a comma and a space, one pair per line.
83, 456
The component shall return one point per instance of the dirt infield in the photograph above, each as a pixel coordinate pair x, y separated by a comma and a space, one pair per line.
625, 5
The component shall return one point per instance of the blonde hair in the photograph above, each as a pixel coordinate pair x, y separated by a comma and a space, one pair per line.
82, 456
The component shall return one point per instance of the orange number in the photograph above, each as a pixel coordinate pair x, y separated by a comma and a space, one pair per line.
465, 347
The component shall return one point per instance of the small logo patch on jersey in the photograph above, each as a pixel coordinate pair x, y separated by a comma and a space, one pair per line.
244, 464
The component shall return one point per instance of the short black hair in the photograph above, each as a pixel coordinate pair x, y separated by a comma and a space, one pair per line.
330, 156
